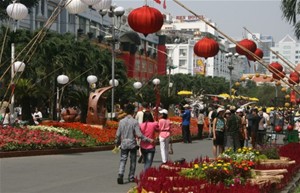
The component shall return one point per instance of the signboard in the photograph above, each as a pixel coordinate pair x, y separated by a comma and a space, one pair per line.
200, 67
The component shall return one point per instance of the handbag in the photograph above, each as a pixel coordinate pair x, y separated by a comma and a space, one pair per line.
171, 152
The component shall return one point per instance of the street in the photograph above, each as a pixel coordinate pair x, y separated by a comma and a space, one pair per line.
93, 172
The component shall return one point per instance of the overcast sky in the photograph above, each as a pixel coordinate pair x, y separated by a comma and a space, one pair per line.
263, 16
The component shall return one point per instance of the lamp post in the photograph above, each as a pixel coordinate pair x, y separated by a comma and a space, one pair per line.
230, 68
16, 11
61, 79
156, 83
137, 86
112, 13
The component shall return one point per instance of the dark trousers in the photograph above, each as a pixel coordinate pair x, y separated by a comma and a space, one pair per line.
186, 134
200, 131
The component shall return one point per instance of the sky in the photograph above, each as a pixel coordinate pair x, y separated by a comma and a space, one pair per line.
264, 16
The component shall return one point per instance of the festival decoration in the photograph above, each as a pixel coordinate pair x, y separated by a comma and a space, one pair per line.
145, 20
290, 127
278, 75
206, 47
258, 52
278, 128
294, 78
103, 4
275, 67
248, 44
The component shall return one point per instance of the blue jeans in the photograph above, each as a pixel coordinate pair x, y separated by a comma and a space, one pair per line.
123, 160
148, 155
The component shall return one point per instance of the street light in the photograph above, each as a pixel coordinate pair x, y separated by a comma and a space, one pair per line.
230, 56
61, 79
170, 65
16, 11
92, 79
156, 82
112, 13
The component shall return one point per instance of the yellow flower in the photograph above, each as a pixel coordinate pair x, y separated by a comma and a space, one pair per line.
211, 165
205, 168
215, 168
250, 148
196, 166
239, 150
225, 168
219, 164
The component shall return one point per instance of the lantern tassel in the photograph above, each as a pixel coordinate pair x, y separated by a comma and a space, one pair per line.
164, 5
157, 1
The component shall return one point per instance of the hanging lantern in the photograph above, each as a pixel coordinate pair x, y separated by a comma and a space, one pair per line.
298, 100
278, 83
137, 85
75, 6
257, 75
250, 76
278, 75
92, 79
145, 20
17, 11
237, 84
290, 127
294, 78
265, 76
103, 4
248, 44
275, 67
242, 78
90, 2
278, 128
286, 104
287, 96
206, 47
19, 66
258, 52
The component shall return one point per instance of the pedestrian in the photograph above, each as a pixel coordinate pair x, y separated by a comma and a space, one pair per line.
243, 129
233, 130
164, 135
186, 119
255, 125
6, 117
218, 132
37, 116
148, 129
126, 135
200, 123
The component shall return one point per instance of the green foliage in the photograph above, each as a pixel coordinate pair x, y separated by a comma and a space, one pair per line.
291, 12
271, 152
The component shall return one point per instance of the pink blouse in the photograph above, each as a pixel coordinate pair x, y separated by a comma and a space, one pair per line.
148, 129
164, 128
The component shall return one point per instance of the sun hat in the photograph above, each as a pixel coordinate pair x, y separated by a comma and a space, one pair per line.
227, 111
220, 109
232, 108
239, 110
186, 106
163, 111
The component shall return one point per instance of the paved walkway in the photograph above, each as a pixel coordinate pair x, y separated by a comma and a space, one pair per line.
94, 172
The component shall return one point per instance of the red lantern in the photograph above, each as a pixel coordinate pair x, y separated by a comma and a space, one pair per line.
145, 20
298, 100
248, 44
206, 47
278, 75
278, 128
275, 67
290, 127
294, 78
258, 52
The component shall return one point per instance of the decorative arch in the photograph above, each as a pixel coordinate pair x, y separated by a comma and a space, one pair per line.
97, 107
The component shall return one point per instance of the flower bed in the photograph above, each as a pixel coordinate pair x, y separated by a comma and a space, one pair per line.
58, 135
241, 171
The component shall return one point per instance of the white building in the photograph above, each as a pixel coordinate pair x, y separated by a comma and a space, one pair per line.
289, 49
189, 28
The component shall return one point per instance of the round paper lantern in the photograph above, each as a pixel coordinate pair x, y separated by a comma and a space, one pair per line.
283, 89
116, 82
294, 74
278, 83
62, 79
278, 128
265, 76
298, 100
206, 47
237, 84
103, 4
90, 2
275, 67
75, 6
287, 96
286, 104
258, 52
145, 20
248, 44
278, 75
156, 81
17, 11
257, 75
290, 127
294, 78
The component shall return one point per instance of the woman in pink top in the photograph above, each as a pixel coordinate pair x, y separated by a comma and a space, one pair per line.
148, 128
164, 135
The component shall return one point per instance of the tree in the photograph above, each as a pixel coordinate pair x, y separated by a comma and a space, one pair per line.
291, 12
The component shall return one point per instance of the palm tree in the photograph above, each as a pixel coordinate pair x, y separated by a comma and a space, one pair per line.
291, 10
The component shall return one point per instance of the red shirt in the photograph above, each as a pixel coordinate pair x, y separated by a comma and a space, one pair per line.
148, 129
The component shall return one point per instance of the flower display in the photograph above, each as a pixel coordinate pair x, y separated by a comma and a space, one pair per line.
245, 153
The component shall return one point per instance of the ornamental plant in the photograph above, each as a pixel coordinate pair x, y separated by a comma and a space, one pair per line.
245, 153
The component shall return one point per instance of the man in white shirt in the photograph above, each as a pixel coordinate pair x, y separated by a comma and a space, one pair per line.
37, 116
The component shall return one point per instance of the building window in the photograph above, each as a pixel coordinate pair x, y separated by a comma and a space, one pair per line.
182, 52
286, 47
182, 63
